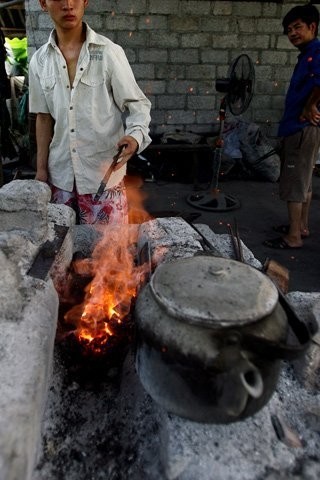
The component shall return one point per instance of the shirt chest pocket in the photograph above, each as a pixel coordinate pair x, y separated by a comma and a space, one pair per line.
92, 82
48, 83
48, 87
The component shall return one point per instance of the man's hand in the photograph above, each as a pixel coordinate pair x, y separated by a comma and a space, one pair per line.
310, 113
129, 150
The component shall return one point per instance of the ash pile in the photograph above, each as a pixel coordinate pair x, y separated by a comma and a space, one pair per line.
66, 415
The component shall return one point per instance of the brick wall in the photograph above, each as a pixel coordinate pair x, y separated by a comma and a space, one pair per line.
177, 48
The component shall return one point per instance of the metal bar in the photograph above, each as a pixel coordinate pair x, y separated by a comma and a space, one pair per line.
205, 241
234, 243
47, 254
105, 179
240, 249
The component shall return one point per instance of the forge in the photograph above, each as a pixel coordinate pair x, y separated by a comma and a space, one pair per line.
70, 413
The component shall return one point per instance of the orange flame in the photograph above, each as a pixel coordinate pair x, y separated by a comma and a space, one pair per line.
116, 279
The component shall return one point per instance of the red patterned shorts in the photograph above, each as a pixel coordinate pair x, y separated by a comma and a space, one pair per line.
111, 208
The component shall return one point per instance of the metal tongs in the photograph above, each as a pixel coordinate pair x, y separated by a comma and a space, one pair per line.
108, 174
236, 241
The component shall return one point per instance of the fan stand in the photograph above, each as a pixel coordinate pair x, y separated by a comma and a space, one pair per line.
214, 200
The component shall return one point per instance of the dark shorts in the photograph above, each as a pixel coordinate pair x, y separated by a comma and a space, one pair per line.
298, 157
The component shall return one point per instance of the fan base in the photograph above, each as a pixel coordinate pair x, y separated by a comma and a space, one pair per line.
213, 201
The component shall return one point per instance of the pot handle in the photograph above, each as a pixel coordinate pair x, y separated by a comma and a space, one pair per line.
302, 331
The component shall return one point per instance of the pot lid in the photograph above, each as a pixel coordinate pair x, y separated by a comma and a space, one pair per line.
213, 291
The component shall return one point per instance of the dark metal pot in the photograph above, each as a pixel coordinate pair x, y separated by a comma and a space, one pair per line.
211, 333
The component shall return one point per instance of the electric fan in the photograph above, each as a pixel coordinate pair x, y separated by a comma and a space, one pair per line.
238, 89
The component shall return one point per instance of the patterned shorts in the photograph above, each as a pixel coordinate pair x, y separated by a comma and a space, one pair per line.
111, 208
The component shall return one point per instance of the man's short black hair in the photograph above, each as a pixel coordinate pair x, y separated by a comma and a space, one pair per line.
307, 13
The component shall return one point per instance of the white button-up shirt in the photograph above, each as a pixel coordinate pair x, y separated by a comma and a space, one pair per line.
89, 116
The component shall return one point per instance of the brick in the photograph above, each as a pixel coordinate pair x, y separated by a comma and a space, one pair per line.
155, 87
184, 55
143, 71
170, 71
183, 24
153, 54
269, 87
180, 116
171, 101
214, 56
270, 9
247, 25
262, 101
269, 25
131, 39
195, 40
101, 6
201, 71
269, 116
206, 87
222, 8
123, 6
163, 6
282, 43
201, 102
158, 116
179, 86
95, 22
164, 39
193, 7
224, 41
208, 117
121, 22
262, 72
274, 58
214, 24
153, 22
283, 74
277, 101
247, 9
258, 41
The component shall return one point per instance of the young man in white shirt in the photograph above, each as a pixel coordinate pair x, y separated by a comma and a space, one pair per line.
81, 85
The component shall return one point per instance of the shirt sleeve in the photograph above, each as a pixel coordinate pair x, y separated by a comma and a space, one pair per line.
130, 99
37, 101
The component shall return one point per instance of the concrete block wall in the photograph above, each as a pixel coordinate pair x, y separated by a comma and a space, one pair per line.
177, 49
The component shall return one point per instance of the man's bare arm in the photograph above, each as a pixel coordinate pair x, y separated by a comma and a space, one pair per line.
44, 132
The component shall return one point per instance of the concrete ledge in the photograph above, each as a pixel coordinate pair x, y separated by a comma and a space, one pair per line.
26, 348
28, 320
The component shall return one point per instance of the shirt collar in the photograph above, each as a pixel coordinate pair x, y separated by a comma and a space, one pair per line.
91, 37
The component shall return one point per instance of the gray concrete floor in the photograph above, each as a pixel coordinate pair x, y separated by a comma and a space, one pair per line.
260, 210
